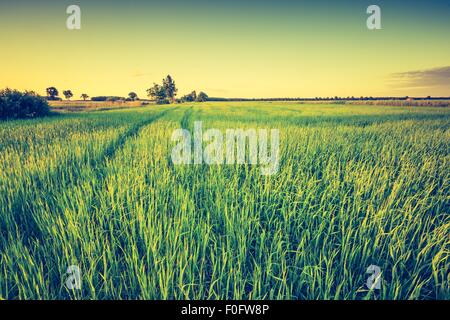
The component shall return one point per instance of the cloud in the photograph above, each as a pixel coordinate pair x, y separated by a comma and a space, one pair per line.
436, 77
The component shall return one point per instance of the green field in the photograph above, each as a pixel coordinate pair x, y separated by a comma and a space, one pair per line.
357, 186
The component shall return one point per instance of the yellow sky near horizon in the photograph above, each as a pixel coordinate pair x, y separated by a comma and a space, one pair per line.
268, 54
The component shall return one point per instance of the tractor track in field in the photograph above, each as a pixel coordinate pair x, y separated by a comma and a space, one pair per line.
22, 212
111, 152
186, 120
196, 170
115, 147
131, 133
186, 123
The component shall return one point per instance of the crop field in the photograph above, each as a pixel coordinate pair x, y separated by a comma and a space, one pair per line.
357, 186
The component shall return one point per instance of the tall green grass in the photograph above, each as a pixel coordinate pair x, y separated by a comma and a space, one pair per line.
357, 186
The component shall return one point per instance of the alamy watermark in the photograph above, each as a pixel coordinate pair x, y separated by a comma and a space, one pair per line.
236, 146
73, 21
374, 281
374, 20
73, 281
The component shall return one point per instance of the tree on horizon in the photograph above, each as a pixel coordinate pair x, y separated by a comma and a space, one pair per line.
170, 88
133, 96
201, 97
189, 97
158, 93
68, 94
52, 93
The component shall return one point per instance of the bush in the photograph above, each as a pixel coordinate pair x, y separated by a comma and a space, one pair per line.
162, 101
114, 99
202, 97
101, 98
53, 98
107, 98
15, 104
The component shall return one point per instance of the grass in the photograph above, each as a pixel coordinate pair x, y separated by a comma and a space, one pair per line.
357, 186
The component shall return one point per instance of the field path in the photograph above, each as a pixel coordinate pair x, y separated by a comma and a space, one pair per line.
133, 132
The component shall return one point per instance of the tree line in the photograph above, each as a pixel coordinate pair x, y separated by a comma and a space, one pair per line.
166, 92
163, 93
336, 98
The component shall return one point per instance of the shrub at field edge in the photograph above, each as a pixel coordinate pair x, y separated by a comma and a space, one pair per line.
15, 104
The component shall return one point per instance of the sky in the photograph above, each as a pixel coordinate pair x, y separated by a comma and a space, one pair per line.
245, 48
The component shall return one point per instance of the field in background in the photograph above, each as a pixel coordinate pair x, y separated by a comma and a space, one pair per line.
80, 105
65, 106
357, 186
404, 103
